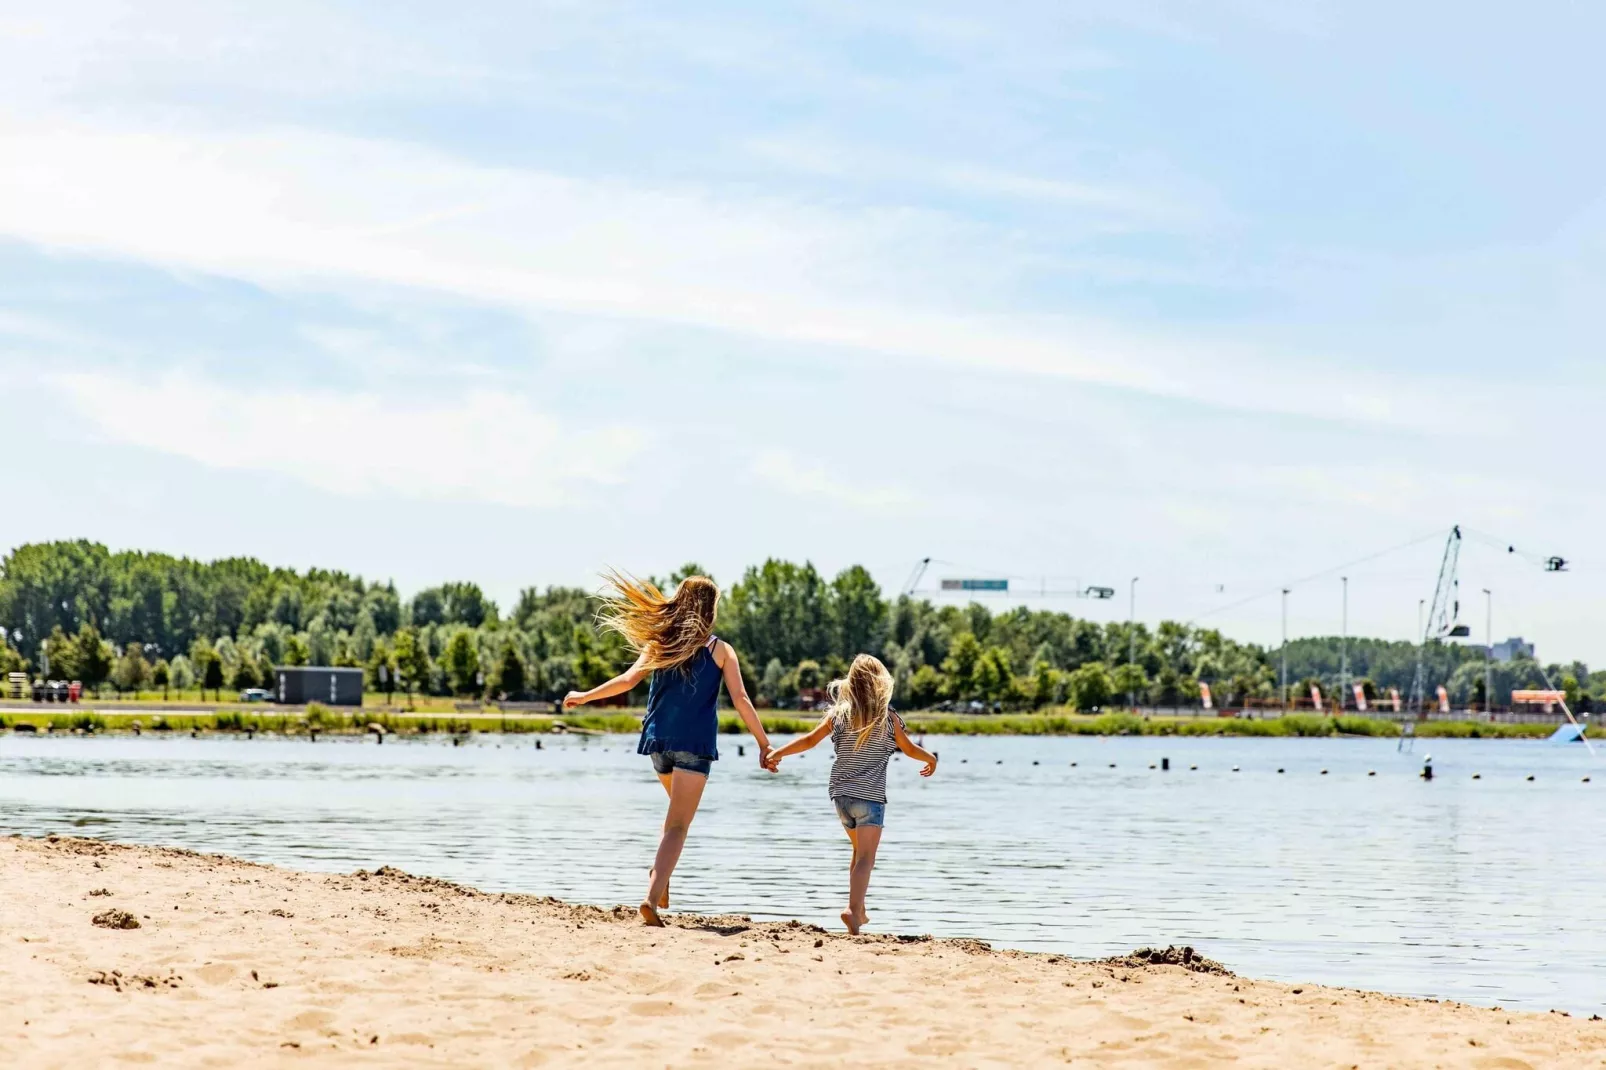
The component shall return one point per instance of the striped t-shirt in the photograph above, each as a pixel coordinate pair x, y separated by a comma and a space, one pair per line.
862, 773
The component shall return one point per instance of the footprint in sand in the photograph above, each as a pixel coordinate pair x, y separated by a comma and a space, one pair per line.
653, 1008
216, 973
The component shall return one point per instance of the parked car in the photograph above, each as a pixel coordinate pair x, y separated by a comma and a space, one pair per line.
256, 694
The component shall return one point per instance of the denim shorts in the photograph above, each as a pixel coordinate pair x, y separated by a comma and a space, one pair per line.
665, 762
857, 813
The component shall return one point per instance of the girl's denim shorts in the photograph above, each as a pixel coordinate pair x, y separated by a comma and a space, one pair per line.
665, 762
857, 813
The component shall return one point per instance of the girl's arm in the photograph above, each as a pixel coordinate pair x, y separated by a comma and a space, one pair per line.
732, 668
625, 681
803, 743
911, 748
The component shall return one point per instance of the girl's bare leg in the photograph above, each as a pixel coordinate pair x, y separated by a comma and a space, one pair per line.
665, 779
685, 792
865, 839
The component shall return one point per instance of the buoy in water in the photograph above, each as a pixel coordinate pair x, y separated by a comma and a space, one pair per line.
1279, 769
1235, 769
1530, 776
1165, 763
1477, 776
1427, 767
1193, 768
1324, 772
1371, 772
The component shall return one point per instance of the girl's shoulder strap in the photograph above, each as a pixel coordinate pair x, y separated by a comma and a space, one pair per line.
712, 644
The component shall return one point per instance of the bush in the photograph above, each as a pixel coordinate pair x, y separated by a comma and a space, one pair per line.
325, 719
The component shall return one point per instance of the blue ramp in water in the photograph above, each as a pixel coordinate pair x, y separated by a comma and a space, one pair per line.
1568, 733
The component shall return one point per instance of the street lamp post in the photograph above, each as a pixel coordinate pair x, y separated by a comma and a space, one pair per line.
1132, 639
1343, 667
1283, 674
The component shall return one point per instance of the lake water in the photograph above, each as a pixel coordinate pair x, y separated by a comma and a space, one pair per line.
1486, 890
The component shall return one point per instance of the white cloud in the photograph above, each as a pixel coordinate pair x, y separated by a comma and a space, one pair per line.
484, 447
809, 480
293, 208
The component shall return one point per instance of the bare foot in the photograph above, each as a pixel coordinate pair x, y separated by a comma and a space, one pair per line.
649, 915
851, 922
663, 900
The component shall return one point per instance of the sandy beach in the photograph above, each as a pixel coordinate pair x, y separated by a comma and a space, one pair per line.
238, 963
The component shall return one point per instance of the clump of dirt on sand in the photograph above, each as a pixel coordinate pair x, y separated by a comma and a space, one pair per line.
115, 979
116, 919
1186, 957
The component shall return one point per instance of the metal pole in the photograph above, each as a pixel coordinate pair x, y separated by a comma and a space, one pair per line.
1343, 668
1488, 655
1132, 638
1284, 673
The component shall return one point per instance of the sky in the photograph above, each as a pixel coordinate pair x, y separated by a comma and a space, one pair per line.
1229, 297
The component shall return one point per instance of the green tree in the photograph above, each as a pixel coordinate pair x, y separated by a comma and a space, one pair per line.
1090, 686
925, 687
858, 614
60, 656
131, 671
1130, 680
1044, 684
295, 650
462, 662
182, 670
211, 668
381, 658
161, 676
771, 684
779, 610
93, 655
960, 665
557, 672
510, 672
412, 662
244, 676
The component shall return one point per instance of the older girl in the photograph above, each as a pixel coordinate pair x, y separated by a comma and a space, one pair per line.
864, 732
674, 641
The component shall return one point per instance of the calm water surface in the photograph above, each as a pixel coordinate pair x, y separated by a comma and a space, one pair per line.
1484, 890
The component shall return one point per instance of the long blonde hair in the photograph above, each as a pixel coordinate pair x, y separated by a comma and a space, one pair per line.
667, 630
863, 699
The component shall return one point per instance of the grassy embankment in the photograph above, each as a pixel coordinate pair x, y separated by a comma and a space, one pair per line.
264, 719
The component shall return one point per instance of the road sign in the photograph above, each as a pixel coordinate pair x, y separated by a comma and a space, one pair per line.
975, 585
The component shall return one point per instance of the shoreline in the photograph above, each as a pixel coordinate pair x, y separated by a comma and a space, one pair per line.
90, 719
234, 961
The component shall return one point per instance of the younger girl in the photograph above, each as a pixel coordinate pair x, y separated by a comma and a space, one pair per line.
674, 640
865, 731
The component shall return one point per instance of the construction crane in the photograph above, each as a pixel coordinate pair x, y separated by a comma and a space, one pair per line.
1444, 620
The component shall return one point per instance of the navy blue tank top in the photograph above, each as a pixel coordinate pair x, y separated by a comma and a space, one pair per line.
683, 707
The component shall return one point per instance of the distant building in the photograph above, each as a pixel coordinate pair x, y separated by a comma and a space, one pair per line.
297, 685
1511, 649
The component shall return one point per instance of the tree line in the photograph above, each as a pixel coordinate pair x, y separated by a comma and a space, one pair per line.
137, 620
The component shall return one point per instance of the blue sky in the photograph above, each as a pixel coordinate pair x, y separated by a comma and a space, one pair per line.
1218, 295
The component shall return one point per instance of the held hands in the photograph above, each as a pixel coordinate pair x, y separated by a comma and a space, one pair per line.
573, 699
766, 760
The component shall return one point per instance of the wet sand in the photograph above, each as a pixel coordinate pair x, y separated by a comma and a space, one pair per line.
234, 963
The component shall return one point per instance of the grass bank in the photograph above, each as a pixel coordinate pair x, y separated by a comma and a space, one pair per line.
334, 721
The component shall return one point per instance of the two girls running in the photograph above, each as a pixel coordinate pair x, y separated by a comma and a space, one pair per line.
674, 641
